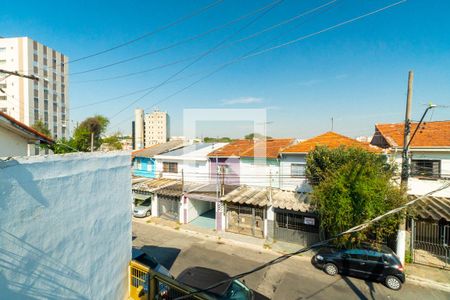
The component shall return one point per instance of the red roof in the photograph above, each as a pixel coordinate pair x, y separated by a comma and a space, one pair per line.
27, 128
430, 134
253, 148
331, 140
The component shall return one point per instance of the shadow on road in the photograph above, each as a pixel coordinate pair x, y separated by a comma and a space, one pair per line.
166, 256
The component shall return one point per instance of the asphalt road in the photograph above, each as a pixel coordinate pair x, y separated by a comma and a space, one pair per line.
294, 278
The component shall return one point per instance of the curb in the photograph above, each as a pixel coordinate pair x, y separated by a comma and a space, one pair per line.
428, 283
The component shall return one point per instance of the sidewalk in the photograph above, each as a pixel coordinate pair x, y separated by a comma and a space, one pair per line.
416, 274
429, 276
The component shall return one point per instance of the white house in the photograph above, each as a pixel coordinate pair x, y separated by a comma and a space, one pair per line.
191, 162
429, 170
293, 158
15, 137
429, 153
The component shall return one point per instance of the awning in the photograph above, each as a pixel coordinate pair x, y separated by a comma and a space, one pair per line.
430, 207
152, 185
138, 196
248, 195
291, 201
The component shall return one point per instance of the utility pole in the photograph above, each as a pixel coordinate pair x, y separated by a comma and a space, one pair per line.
92, 142
182, 180
222, 189
401, 233
407, 132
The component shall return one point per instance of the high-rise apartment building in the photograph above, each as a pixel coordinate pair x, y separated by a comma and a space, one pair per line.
29, 100
157, 128
150, 129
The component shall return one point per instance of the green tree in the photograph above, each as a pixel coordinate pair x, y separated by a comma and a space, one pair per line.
350, 187
41, 127
113, 142
95, 125
258, 136
217, 140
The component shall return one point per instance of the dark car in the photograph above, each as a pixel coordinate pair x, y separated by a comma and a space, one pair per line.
374, 263
202, 278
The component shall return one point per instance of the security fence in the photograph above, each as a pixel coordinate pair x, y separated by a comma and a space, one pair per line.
431, 242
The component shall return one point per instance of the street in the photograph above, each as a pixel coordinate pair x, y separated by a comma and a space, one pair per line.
294, 278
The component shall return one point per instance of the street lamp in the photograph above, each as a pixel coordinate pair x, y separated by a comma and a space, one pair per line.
405, 162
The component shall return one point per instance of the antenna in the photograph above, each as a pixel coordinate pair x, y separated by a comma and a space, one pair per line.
332, 123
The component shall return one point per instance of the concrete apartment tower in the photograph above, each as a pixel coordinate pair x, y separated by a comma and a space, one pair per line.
157, 128
138, 129
28, 100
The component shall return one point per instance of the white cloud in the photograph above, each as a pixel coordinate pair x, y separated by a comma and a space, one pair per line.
242, 100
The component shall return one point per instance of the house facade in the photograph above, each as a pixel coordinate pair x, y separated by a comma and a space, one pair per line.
15, 137
293, 158
429, 161
143, 162
190, 163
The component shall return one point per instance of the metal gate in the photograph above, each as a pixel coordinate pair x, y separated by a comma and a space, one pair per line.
431, 242
246, 220
168, 207
295, 228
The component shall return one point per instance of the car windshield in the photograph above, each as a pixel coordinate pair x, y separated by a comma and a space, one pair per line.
237, 291
147, 202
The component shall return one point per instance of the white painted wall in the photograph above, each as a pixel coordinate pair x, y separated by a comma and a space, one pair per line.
65, 226
420, 186
259, 172
289, 182
12, 144
194, 170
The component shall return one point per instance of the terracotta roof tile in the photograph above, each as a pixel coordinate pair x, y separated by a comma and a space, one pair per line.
331, 140
248, 148
42, 137
430, 134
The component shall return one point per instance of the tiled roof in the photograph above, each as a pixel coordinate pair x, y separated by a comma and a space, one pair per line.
261, 197
27, 129
252, 148
248, 195
430, 134
291, 201
331, 140
431, 207
157, 149
152, 185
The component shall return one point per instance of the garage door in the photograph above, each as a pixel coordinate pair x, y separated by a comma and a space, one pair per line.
168, 207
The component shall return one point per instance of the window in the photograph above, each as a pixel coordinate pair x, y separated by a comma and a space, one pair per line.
46, 104
426, 168
298, 170
2, 97
2, 50
170, 167
36, 102
138, 164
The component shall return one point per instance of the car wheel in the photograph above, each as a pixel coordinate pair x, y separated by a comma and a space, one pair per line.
330, 269
148, 213
393, 282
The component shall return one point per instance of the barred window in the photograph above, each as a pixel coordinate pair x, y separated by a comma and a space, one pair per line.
298, 170
170, 167
426, 168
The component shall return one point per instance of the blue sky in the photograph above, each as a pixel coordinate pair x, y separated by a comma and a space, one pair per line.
356, 73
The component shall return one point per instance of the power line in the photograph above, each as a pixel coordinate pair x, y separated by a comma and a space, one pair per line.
189, 39
167, 26
256, 53
284, 257
204, 54
236, 60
